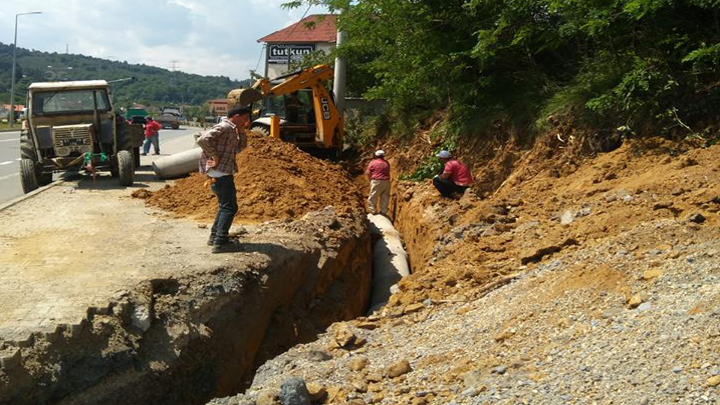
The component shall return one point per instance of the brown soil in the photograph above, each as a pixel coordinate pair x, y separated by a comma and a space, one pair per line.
458, 248
275, 181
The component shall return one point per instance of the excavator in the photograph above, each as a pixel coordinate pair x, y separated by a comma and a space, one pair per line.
297, 108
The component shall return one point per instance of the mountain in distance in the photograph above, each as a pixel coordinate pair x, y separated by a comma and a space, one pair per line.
150, 86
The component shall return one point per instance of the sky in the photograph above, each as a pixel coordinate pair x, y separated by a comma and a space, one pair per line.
206, 37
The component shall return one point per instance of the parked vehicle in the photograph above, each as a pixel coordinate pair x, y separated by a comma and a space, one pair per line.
72, 125
169, 117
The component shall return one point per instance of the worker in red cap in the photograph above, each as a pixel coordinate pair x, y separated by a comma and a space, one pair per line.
455, 178
378, 171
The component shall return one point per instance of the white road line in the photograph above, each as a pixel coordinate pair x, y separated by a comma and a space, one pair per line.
9, 140
18, 159
6, 163
9, 176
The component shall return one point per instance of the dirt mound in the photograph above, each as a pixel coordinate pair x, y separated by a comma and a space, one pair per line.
275, 181
551, 200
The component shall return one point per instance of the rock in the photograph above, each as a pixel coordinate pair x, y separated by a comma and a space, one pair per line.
567, 217
697, 218
418, 401
501, 369
343, 334
399, 368
472, 379
713, 381
373, 377
471, 392
294, 392
141, 318
651, 274
267, 397
317, 355
317, 392
677, 369
413, 308
358, 363
645, 306
635, 301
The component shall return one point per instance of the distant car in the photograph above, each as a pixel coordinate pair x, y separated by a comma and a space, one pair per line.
138, 119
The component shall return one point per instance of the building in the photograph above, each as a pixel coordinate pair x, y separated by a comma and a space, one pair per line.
292, 43
218, 107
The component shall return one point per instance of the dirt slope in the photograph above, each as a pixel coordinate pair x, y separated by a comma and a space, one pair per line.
275, 181
574, 280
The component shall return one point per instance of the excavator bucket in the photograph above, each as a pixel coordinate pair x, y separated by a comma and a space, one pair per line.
243, 97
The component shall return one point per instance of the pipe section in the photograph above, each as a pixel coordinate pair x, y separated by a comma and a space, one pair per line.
178, 164
390, 261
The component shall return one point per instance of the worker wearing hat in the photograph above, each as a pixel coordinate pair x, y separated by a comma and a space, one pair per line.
378, 171
455, 177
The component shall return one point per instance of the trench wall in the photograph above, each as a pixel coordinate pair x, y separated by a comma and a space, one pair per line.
186, 340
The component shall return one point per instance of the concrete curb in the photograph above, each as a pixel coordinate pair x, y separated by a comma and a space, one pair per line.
31, 194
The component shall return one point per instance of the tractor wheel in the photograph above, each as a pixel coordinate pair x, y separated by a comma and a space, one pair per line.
28, 175
261, 130
27, 151
126, 168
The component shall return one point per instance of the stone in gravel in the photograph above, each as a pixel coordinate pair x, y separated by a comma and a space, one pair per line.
635, 301
567, 217
500, 369
472, 379
399, 368
267, 397
358, 363
677, 369
419, 401
318, 355
141, 317
713, 381
413, 308
294, 392
651, 274
697, 218
645, 306
373, 378
344, 336
317, 392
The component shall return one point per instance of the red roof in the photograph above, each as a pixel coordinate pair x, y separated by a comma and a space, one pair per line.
322, 31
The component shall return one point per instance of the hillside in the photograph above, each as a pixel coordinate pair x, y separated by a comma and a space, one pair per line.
153, 85
578, 279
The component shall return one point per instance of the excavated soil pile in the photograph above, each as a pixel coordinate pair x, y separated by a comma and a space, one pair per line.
275, 181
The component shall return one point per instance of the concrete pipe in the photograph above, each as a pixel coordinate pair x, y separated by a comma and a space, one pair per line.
178, 164
390, 261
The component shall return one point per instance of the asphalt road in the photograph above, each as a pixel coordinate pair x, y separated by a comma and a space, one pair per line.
10, 157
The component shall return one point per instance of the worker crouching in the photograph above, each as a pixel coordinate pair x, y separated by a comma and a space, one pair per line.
220, 144
455, 177
378, 172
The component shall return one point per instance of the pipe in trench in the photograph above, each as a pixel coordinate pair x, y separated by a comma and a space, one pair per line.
390, 261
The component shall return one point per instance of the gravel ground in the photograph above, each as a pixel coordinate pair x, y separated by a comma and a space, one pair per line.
630, 320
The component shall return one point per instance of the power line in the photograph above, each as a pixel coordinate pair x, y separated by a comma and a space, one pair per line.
259, 57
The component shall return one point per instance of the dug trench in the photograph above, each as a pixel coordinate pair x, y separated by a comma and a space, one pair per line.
187, 331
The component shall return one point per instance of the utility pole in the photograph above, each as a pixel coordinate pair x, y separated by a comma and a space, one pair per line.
11, 119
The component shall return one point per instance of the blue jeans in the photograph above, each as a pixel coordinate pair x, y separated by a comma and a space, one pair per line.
224, 189
155, 140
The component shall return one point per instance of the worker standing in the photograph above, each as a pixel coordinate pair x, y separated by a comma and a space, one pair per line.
455, 178
220, 144
152, 136
378, 172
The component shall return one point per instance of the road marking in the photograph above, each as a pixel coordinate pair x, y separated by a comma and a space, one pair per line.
6, 163
9, 140
8, 176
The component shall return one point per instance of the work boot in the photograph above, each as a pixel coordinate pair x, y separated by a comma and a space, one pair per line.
211, 240
229, 246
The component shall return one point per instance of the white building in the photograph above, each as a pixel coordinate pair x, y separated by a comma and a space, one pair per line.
295, 41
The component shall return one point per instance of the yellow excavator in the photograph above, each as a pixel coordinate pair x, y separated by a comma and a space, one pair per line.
297, 108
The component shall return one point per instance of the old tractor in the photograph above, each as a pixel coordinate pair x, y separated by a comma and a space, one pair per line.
72, 126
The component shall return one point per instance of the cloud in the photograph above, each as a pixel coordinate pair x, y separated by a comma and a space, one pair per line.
211, 37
